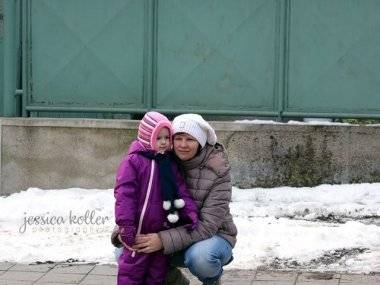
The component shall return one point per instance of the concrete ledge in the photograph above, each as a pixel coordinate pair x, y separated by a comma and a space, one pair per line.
63, 153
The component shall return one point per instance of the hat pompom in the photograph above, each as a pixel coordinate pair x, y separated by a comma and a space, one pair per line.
166, 205
179, 203
173, 218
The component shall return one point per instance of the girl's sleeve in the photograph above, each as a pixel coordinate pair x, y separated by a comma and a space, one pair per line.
126, 199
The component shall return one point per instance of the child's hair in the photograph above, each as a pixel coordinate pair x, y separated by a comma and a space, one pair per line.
149, 127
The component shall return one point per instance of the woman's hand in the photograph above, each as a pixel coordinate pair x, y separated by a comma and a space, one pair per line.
148, 243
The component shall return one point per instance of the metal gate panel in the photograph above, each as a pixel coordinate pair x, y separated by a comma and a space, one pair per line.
334, 56
87, 53
216, 55
1, 58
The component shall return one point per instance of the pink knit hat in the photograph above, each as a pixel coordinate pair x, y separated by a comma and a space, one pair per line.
150, 126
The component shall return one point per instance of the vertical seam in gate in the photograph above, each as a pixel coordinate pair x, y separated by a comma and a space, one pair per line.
286, 41
154, 54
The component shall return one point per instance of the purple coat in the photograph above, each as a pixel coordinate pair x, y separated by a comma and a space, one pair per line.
132, 183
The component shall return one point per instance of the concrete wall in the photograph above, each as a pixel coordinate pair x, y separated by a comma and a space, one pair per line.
62, 153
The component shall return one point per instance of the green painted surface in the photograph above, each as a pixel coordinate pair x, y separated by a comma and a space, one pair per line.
334, 56
1, 57
216, 54
89, 53
9, 58
99, 58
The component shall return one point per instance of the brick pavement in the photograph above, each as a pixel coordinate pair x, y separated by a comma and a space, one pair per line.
94, 274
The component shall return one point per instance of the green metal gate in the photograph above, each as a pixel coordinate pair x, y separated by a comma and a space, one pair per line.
281, 58
1, 56
333, 58
90, 55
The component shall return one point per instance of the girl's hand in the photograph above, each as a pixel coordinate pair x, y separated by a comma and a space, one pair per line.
124, 244
148, 243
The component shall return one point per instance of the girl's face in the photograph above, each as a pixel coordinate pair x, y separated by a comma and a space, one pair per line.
163, 140
185, 146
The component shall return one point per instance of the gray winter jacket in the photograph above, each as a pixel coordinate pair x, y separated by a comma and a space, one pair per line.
208, 179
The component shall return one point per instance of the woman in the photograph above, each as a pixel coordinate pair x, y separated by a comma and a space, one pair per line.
207, 173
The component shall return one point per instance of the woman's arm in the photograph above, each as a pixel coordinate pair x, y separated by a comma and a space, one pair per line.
212, 215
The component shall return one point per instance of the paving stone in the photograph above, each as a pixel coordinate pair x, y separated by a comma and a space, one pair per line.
15, 282
6, 265
32, 267
73, 269
228, 281
275, 276
319, 282
240, 274
272, 282
89, 274
21, 275
238, 277
318, 278
104, 270
99, 280
51, 283
356, 279
65, 278
237, 282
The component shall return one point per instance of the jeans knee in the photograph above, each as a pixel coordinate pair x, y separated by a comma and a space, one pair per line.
204, 265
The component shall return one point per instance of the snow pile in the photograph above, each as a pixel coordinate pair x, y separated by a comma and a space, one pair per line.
57, 225
323, 228
329, 227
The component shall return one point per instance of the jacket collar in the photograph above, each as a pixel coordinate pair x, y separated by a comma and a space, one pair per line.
199, 159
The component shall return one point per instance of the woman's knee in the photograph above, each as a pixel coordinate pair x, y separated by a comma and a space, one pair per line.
205, 259
203, 262
203, 265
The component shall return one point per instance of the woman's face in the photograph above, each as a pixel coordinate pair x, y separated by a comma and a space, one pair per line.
185, 146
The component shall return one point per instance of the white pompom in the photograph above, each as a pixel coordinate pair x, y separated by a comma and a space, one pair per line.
179, 203
173, 218
166, 205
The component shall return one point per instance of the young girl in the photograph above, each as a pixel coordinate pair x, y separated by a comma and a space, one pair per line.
150, 196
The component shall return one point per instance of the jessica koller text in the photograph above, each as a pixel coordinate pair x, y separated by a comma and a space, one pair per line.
51, 222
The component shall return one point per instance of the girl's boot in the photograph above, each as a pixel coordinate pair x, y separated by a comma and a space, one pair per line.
176, 277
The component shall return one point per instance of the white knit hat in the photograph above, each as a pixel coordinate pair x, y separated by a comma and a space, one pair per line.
196, 126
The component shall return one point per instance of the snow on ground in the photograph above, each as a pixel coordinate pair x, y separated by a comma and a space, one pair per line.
324, 228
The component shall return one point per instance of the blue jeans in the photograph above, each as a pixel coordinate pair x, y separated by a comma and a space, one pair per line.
205, 259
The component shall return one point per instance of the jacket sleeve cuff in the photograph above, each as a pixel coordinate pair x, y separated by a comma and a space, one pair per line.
114, 237
167, 243
128, 235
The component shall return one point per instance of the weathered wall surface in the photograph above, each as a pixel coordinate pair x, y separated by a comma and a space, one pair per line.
63, 153
302, 155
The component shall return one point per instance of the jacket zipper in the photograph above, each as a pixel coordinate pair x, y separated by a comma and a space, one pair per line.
145, 201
